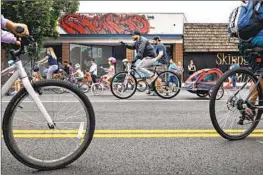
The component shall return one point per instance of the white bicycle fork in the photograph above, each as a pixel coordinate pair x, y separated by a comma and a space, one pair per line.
21, 73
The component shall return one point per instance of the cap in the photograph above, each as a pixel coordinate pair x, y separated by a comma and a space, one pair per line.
157, 38
136, 32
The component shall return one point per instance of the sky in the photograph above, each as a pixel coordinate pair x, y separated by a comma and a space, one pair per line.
195, 11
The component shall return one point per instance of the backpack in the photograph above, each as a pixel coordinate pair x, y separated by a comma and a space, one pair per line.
246, 21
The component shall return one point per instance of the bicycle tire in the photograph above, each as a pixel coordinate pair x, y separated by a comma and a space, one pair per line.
213, 99
85, 91
94, 88
166, 97
33, 163
116, 95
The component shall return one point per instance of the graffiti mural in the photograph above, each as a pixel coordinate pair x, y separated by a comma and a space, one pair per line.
109, 23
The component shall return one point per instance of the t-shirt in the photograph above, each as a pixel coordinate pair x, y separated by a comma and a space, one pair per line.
80, 73
159, 48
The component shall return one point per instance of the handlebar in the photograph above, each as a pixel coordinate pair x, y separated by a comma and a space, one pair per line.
16, 53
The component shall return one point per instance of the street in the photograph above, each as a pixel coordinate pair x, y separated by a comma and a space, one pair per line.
149, 135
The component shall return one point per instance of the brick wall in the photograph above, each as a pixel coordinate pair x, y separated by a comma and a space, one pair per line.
178, 52
178, 55
65, 52
129, 54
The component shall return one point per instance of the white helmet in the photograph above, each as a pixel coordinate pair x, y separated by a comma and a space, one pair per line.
77, 66
125, 60
111, 59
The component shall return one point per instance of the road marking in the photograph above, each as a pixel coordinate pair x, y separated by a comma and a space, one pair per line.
186, 133
120, 101
113, 131
126, 135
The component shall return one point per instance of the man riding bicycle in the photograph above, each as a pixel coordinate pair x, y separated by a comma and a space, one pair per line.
160, 50
145, 53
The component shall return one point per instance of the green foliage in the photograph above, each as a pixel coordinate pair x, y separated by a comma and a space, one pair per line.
41, 17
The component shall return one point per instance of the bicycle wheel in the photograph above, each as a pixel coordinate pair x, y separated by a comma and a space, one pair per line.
142, 85
219, 94
97, 89
124, 85
84, 87
167, 85
228, 115
28, 136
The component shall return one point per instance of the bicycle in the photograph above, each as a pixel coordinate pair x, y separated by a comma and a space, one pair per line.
168, 83
45, 143
99, 87
245, 100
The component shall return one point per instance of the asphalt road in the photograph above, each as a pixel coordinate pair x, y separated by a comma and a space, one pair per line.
154, 136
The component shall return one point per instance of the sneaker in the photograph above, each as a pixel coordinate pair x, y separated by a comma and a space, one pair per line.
248, 114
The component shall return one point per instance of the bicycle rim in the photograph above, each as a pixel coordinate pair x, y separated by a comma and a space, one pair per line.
124, 86
167, 85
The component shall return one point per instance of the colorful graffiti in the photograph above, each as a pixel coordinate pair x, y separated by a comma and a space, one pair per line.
109, 23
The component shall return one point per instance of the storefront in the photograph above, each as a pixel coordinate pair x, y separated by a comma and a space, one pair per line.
208, 46
96, 36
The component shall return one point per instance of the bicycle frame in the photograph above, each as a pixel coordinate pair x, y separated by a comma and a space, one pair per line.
21, 73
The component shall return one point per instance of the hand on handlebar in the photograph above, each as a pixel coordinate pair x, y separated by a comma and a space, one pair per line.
20, 29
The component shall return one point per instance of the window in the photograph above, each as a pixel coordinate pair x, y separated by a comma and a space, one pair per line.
82, 54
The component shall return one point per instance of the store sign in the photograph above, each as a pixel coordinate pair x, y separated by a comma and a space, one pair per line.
227, 59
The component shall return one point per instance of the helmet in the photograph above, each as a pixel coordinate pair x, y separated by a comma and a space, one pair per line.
112, 60
157, 38
125, 60
11, 62
35, 68
77, 66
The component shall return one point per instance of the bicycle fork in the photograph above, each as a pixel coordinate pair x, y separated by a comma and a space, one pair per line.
35, 97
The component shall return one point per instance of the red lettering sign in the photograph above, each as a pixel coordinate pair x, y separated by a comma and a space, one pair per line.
109, 23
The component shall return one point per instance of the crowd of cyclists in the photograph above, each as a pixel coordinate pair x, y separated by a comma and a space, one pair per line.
147, 55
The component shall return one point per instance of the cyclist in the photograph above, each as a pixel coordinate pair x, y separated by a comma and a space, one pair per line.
51, 58
163, 61
78, 74
111, 71
9, 38
93, 70
145, 53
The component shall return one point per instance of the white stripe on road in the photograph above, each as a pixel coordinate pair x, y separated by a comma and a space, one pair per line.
121, 101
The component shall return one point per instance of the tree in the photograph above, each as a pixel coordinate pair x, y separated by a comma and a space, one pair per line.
40, 16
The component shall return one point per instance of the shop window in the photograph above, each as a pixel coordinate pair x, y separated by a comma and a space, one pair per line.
83, 54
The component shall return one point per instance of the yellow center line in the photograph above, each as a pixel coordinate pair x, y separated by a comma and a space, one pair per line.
132, 131
126, 135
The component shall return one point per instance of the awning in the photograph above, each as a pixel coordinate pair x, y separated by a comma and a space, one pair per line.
109, 40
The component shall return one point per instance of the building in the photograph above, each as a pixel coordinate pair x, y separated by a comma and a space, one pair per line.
208, 45
84, 36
